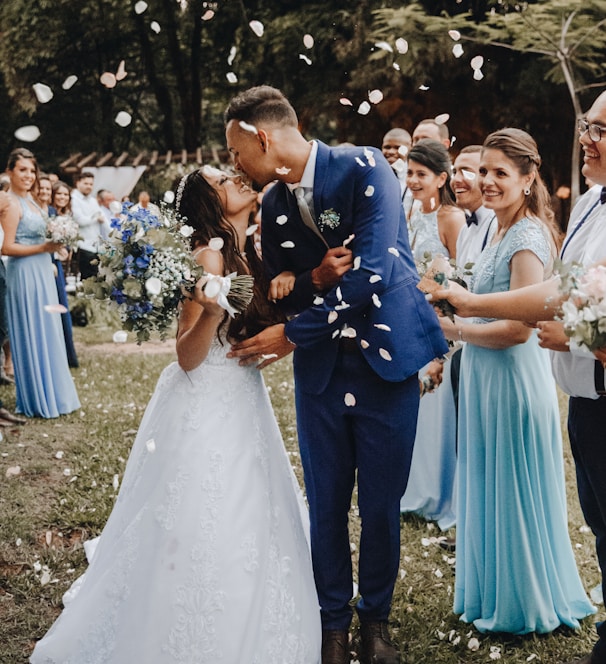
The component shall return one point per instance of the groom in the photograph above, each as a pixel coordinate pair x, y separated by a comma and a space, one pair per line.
360, 329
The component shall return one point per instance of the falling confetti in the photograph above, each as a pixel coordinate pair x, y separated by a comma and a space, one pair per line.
364, 344
108, 79
248, 127
374, 278
288, 244
370, 190
478, 75
281, 220
402, 45
13, 471
283, 170
155, 26
394, 251
349, 333
403, 150
455, 35
115, 207
43, 93
468, 175
308, 41
208, 14
370, 157
318, 300
120, 337
360, 162
385, 354
123, 119
442, 118
339, 294
305, 59
424, 87
376, 301
364, 108
257, 27
69, 82
116, 482
332, 317
384, 46
375, 96
121, 73
59, 454
382, 326
396, 66
232, 54
357, 261
169, 197
252, 229
348, 239
216, 243
345, 102
231, 77
350, 400
28, 133
457, 50
140, 7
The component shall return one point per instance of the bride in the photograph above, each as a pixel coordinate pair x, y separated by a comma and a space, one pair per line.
204, 557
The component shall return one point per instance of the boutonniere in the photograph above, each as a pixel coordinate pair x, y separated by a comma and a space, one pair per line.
329, 219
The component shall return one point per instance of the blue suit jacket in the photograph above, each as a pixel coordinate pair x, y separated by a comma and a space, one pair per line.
395, 327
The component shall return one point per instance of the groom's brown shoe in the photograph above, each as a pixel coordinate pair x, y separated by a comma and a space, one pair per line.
377, 647
335, 646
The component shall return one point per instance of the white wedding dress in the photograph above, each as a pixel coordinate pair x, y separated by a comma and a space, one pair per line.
205, 556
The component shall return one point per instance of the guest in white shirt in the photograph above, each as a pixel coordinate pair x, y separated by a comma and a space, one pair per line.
105, 198
395, 146
144, 203
87, 213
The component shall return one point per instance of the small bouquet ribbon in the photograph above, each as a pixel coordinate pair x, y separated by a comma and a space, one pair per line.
219, 287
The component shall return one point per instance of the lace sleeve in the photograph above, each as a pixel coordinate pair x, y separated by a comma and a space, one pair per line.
530, 235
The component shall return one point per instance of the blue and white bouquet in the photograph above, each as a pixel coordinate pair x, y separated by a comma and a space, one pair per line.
584, 309
146, 267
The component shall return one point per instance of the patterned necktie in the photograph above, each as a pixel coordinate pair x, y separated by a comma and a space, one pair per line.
471, 219
306, 216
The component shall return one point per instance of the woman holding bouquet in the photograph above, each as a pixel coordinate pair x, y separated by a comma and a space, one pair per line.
433, 229
515, 570
45, 387
204, 558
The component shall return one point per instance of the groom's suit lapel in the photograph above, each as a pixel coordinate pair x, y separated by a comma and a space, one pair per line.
320, 177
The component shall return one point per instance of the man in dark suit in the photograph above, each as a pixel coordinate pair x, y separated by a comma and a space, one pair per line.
360, 329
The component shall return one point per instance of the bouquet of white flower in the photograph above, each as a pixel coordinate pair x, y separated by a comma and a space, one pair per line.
145, 265
62, 228
435, 272
584, 309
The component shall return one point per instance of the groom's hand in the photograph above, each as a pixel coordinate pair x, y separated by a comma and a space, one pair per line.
264, 348
334, 265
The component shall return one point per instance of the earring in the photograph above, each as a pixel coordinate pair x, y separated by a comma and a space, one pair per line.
527, 191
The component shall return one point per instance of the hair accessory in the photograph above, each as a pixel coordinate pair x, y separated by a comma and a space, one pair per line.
180, 189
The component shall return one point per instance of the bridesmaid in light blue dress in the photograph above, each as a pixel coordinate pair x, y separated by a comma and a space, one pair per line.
433, 229
45, 387
515, 569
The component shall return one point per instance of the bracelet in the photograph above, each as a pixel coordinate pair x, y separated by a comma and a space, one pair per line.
460, 331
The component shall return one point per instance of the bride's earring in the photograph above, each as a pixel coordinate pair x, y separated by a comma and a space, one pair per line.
527, 191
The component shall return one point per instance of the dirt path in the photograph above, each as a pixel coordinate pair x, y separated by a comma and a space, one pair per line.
147, 348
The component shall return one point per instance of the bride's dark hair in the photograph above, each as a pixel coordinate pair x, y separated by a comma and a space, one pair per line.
199, 203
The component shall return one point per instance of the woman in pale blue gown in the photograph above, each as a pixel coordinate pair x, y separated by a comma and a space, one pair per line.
515, 569
205, 557
433, 229
45, 387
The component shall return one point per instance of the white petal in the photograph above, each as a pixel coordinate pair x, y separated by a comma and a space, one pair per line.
370, 190
364, 344
120, 337
308, 41
305, 59
288, 244
357, 261
318, 300
257, 27
382, 326
231, 77
69, 82
374, 278
13, 471
153, 286
29, 133
283, 170
155, 26
370, 157
364, 108
140, 7
248, 127
43, 93
45, 578
151, 445
232, 54
115, 207
468, 175
348, 239
473, 644
457, 50
401, 45
360, 162
394, 251
59, 454
208, 14
403, 151
350, 400
385, 354
216, 243
478, 75
252, 229
108, 79
345, 102
121, 73
477, 62
375, 96
455, 35
376, 301
332, 316
442, 118
396, 66
339, 294
383, 45
349, 333
123, 119
55, 309
281, 220
424, 87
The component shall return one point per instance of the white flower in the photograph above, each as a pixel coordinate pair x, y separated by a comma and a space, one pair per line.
186, 231
153, 286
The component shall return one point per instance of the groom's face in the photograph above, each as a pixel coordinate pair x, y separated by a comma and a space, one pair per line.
248, 148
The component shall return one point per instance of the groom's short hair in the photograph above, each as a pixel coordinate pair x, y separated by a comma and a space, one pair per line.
261, 103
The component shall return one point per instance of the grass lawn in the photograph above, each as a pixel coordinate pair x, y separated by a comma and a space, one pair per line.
59, 479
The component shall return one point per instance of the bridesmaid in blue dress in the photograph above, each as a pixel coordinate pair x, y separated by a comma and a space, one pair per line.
45, 387
515, 569
433, 228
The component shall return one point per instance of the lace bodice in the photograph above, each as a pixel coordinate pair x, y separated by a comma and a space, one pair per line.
424, 236
32, 225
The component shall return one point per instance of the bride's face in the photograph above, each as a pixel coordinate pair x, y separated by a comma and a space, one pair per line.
235, 195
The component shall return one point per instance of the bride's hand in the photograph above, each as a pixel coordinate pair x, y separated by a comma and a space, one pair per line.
200, 296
